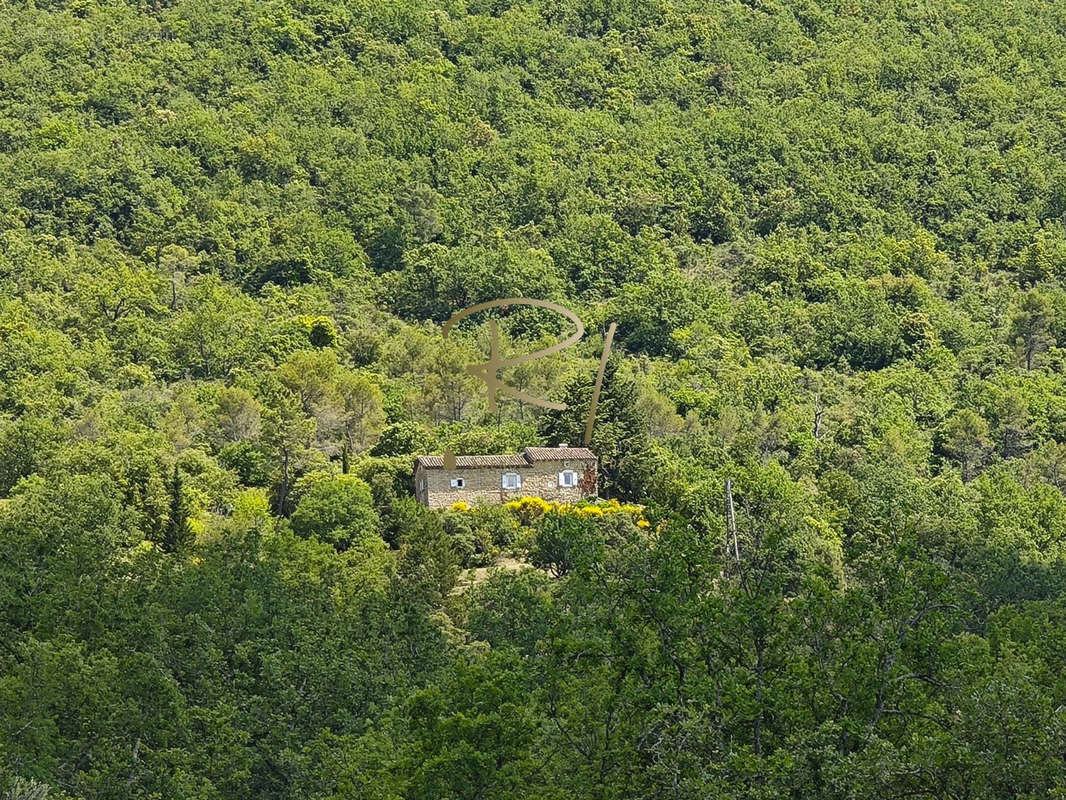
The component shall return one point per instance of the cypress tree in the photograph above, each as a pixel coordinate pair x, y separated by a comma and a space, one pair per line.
619, 431
178, 533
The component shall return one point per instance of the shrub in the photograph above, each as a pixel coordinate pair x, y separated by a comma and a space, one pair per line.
472, 543
339, 510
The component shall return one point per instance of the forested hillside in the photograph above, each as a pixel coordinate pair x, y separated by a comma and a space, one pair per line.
832, 235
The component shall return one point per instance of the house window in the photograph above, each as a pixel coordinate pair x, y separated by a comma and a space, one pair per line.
511, 480
458, 483
568, 478
423, 484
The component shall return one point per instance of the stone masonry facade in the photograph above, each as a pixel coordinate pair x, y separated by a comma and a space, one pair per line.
561, 474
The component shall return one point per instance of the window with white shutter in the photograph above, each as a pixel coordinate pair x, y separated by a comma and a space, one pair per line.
568, 478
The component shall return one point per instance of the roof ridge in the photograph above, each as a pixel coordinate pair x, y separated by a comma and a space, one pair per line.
526, 457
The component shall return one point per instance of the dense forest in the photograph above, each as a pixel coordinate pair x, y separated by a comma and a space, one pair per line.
832, 235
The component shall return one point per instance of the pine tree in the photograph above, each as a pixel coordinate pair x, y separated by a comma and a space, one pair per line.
618, 432
178, 532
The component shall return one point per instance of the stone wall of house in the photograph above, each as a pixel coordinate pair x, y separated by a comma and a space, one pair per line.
484, 484
541, 479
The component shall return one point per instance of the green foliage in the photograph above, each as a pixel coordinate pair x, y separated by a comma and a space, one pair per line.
337, 510
428, 557
472, 543
619, 430
178, 532
564, 542
832, 238
400, 439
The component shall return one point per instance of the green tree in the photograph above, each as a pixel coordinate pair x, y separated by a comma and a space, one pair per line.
178, 532
964, 438
364, 412
618, 434
1030, 326
338, 510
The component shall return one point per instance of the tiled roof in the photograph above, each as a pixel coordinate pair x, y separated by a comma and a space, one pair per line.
527, 457
556, 453
475, 461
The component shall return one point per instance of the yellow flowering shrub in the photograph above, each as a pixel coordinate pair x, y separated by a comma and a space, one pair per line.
459, 505
530, 509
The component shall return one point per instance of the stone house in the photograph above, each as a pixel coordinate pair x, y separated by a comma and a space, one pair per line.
562, 473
